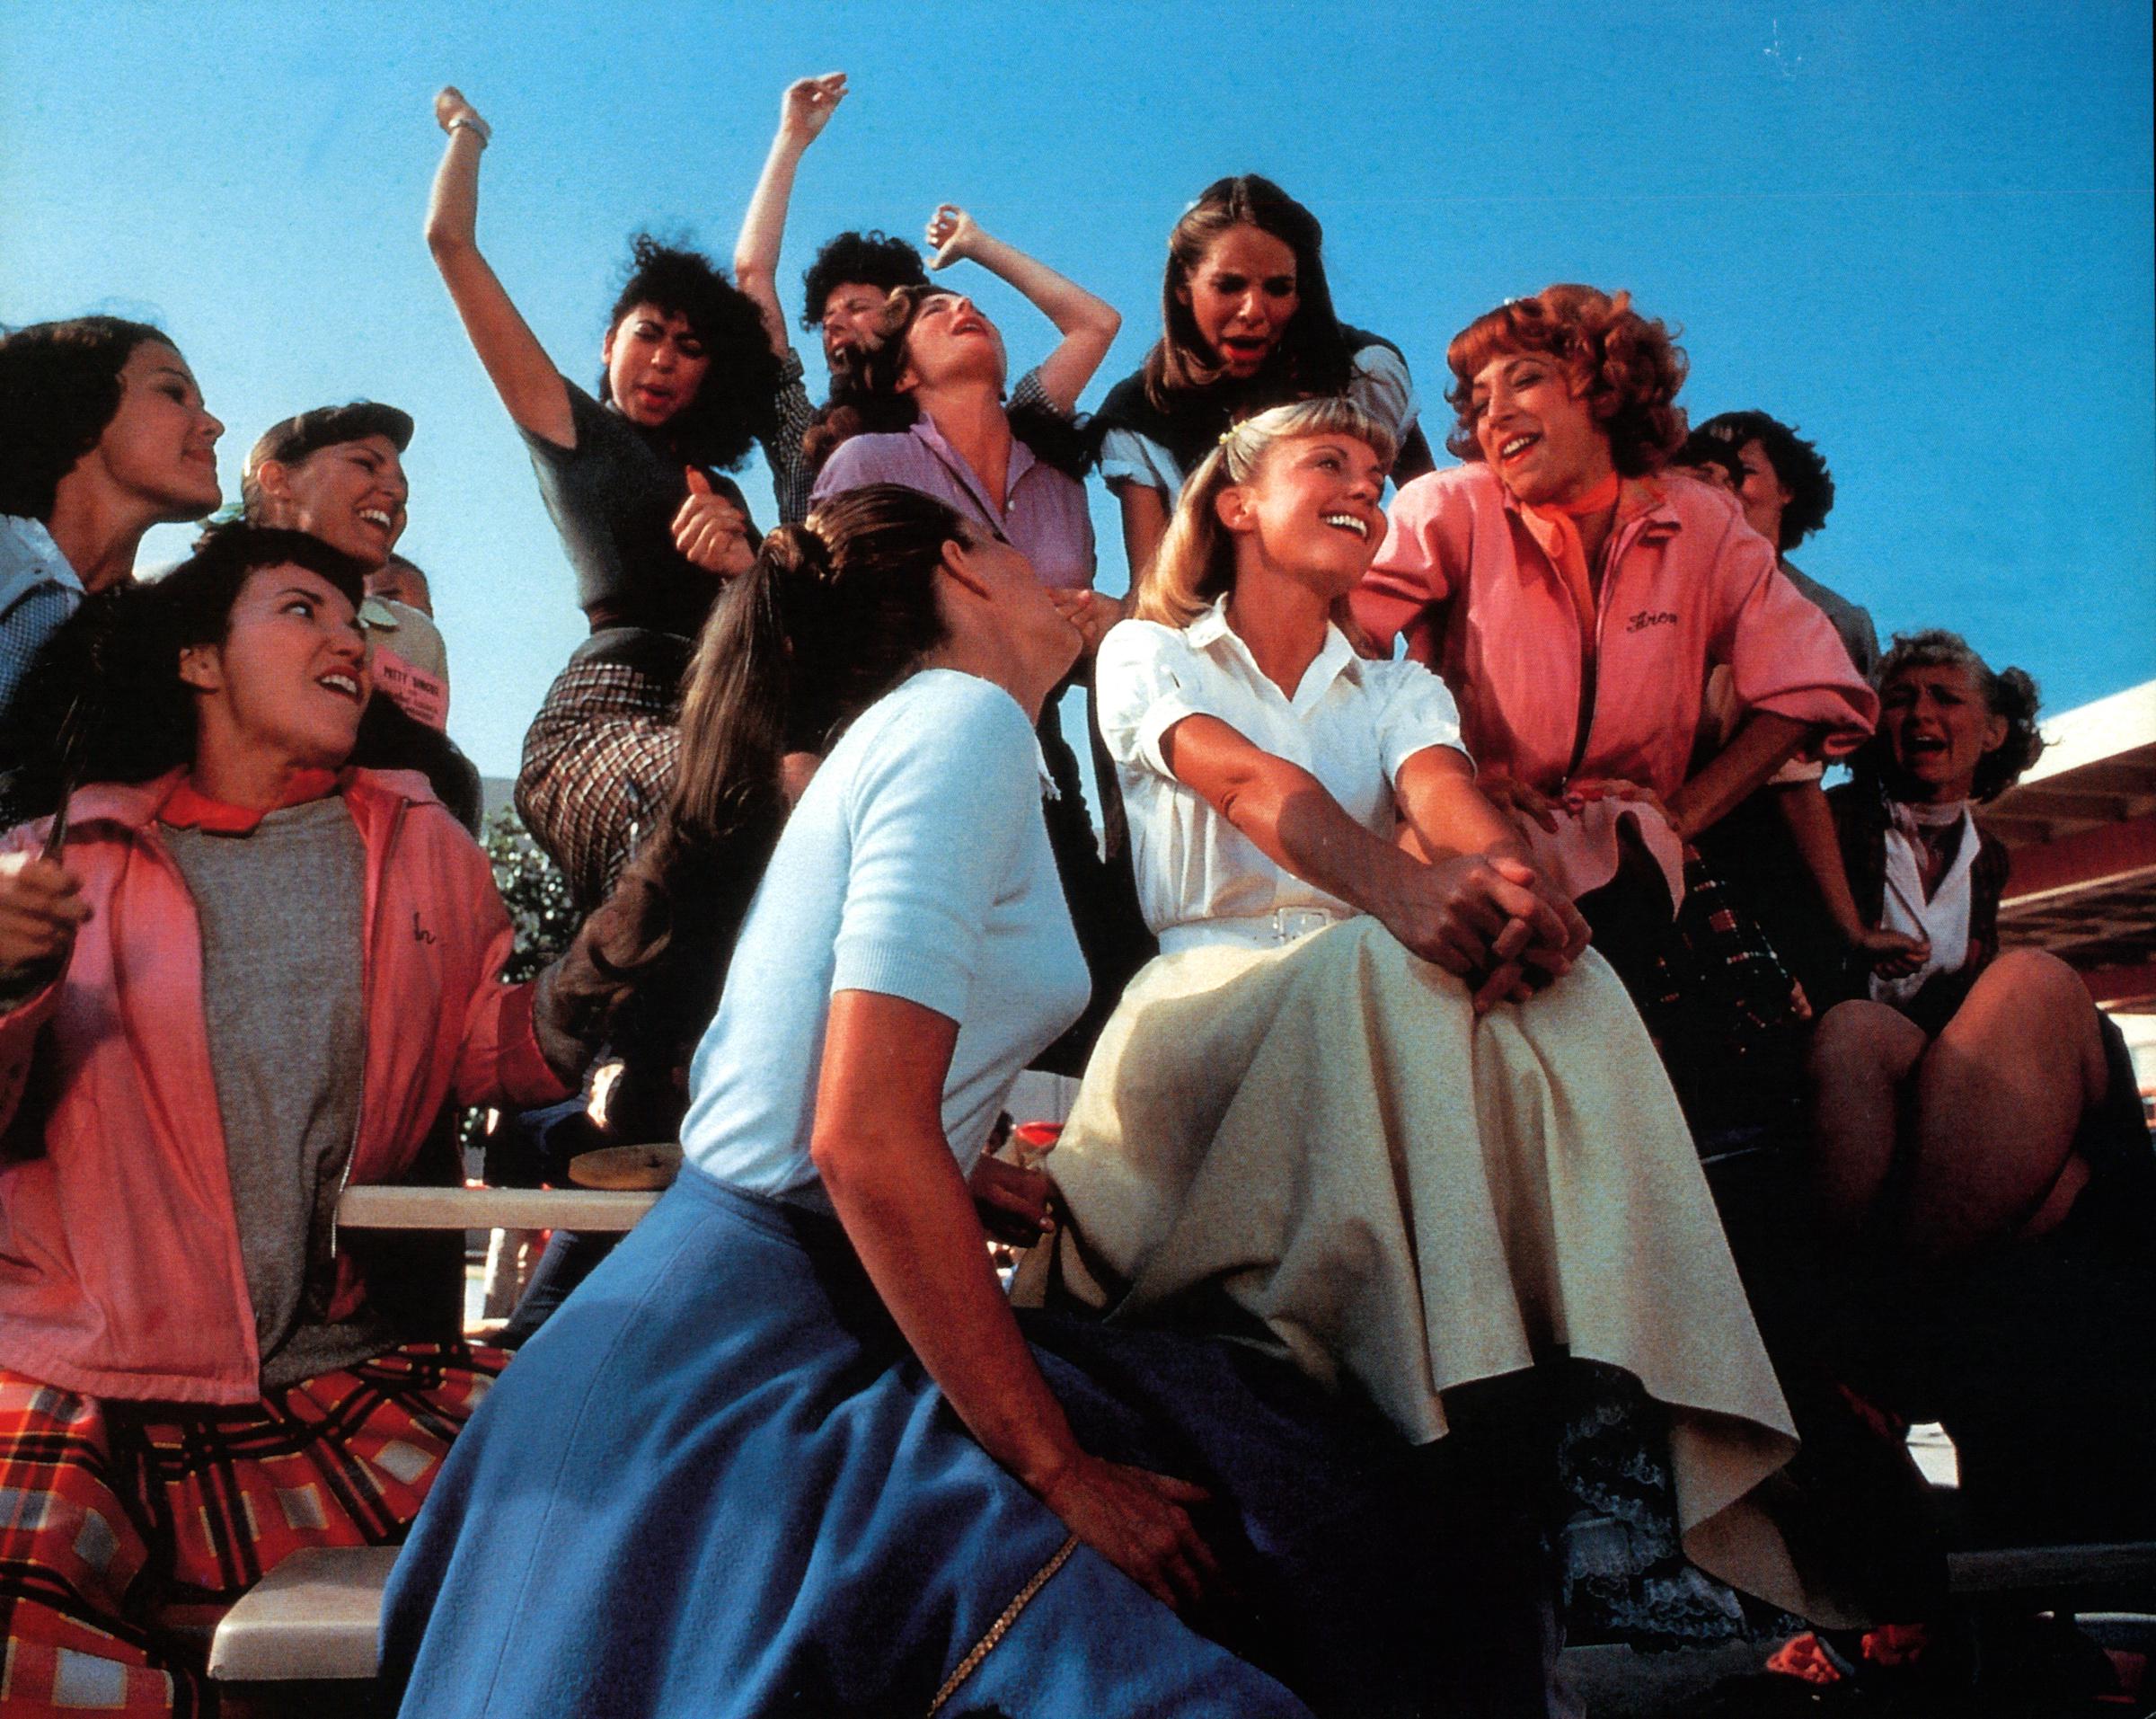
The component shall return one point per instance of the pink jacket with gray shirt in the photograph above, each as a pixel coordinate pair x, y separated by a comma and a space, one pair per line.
121, 1274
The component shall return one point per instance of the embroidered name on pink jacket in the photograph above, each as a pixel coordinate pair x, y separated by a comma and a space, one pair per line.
1464, 572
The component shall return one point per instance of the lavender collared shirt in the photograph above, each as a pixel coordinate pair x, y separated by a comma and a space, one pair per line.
1044, 515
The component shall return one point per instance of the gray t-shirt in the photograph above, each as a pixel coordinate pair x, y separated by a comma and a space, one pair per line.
1851, 621
612, 498
281, 911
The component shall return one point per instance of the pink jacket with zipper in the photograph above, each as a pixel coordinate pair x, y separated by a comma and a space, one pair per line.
120, 1252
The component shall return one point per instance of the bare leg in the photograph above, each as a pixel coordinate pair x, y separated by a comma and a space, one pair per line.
1999, 1096
1861, 1055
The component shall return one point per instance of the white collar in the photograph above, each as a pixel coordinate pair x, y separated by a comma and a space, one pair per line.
1336, 657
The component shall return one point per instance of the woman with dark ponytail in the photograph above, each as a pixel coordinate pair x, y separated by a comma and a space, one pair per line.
779, 670
795, 1403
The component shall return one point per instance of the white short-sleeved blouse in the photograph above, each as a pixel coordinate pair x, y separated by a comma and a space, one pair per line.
1352, 724
916, 865
1380, 386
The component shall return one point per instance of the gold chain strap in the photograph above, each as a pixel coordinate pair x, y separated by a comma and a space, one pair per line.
1002, 1627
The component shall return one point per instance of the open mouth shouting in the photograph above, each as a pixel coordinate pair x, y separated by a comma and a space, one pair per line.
343, 684
1923, 754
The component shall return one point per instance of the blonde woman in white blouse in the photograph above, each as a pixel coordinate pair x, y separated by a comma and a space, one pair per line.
1375, 1103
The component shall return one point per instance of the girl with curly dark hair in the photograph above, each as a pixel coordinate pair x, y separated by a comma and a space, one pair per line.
1979, 1152
1246, 322
846, 293
1576, 598
102, 435
630, 479
238, 973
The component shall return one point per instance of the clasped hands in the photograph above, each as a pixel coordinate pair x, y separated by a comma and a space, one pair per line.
1493, 921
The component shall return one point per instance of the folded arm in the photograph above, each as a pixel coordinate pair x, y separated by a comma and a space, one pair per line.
1472, 912
1763, 742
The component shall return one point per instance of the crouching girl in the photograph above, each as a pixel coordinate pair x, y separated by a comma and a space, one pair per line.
236, 976
1980, 1163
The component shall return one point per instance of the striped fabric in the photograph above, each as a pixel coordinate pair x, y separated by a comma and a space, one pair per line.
1716, 972
597, 768
113, 1512
791, 478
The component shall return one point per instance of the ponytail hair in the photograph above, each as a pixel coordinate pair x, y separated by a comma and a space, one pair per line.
1195, 561
833, 613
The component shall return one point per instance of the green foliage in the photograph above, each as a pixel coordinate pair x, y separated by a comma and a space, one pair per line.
536, 895
535, 890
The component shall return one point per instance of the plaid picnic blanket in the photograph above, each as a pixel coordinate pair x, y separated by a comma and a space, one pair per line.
111, 1512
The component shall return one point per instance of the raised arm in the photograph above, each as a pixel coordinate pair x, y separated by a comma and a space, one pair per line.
522, 374
804, 110
1471, 913
878, 1145
1087, 324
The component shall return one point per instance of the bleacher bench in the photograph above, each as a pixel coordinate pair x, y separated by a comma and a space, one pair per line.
315, 1617
581, 1208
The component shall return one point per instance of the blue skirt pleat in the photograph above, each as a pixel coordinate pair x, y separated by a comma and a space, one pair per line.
719, 1483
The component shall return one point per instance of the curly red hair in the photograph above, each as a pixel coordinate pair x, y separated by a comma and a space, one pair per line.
1630, 367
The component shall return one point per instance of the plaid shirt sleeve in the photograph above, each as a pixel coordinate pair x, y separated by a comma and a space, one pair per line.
791, 478
1030, 393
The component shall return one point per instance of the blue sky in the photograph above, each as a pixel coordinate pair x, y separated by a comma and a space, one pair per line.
1923, 232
